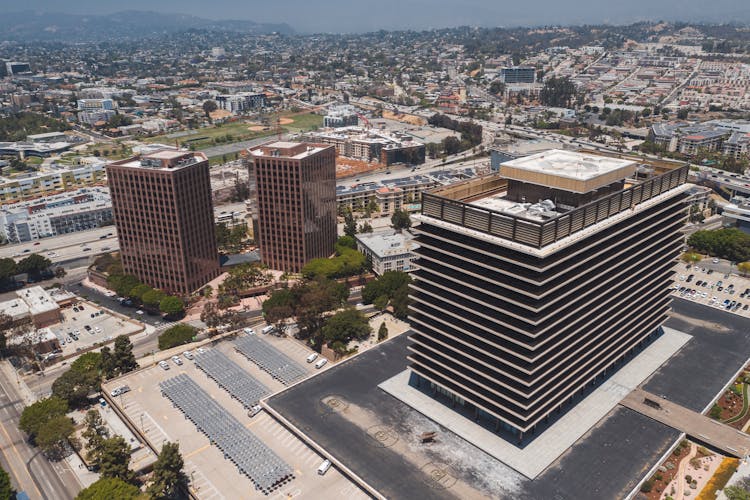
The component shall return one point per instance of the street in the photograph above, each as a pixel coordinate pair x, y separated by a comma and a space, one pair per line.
29, 469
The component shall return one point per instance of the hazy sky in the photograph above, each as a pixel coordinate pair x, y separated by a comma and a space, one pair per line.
361, 15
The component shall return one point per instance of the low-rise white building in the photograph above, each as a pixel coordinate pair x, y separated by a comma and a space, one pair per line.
68, 212
388, 250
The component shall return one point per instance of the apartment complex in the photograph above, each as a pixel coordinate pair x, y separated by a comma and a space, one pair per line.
241, 102
165, 222
296, 202
30, 185
69, 212
532, 284
372, 146
341, 116
730, 137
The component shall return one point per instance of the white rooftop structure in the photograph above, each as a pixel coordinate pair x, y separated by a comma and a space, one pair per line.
388, 250
16, 309
38, 300
287, 149
568, 170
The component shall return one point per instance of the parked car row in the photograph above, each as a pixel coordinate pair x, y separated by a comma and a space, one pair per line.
178, 361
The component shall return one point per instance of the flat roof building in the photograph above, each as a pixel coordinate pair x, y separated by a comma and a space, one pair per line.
388, 250
35, 305
536, 281
296, 202
164, 215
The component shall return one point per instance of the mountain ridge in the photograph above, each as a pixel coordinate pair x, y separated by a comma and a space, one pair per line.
130, 24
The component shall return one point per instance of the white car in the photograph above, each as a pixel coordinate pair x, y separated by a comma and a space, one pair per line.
201, 350
188, 355
177, 360
97, 329
312, 357
120, 390
320, 364
164, 365
715, 260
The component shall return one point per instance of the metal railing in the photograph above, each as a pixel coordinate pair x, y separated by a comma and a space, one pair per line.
537, 233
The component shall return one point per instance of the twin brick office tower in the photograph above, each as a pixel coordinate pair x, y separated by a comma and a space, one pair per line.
530, 283
164, 214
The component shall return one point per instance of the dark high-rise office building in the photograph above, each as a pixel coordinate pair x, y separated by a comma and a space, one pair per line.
532, 282
163, 211
296, 202
518, 74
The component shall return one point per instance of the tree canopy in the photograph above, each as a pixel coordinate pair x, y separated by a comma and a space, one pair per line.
169, 481
307, 301
34, 264
53, 436
400, 220
390, 288
113, 458
176, 335
172, 306
36, 415
109, 488
727, 243
347, 262
6, 488
346, 325
558, 92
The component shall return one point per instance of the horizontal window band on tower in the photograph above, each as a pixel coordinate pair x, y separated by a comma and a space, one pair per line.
445, 270
457, 336
508, 409
529, 267
460, 304
538, 234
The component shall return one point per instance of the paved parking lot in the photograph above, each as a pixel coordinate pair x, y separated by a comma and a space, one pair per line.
699, 283
212, 476
102, 327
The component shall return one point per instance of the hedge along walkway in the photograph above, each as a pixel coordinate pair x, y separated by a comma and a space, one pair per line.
745, 405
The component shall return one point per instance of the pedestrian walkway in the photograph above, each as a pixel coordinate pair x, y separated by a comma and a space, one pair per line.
697, 426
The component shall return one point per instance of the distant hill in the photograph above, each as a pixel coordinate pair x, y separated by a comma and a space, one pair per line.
32, 25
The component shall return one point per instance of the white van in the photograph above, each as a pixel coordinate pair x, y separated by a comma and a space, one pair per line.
268, 329
324, 467
249, 331
321, 363
312, 357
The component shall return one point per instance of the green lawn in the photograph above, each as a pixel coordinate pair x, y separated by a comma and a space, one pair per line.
206, 137
303, 121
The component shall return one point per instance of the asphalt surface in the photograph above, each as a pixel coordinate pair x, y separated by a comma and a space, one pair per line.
719, 347
29, 469
607, 462
113, 304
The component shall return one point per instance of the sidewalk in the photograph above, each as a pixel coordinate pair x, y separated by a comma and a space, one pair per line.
84, 476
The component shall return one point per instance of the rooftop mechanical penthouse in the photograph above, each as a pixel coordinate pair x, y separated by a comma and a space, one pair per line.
532, 282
